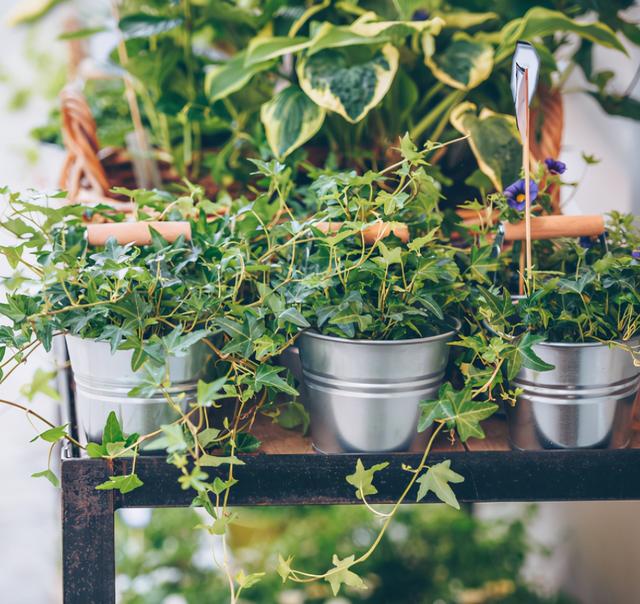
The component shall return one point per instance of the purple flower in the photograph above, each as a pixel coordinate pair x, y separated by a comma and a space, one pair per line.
636, 254
586, 242
515, 194
420, 15
554, 166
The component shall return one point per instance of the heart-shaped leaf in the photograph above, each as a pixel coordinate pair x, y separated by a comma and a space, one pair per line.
290, 119
333, 79
223, 80
494, 140
463, 64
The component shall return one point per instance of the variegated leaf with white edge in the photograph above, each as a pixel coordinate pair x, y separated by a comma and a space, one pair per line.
290, 119
223, 80
366, 30
494, 140
268, 48
349, 89
463, 64
462, 20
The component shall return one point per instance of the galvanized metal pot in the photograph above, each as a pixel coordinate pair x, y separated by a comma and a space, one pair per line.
585, 402
103, 381
290, 358
363, 395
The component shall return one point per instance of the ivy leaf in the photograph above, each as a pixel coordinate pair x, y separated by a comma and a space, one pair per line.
49, 475
437, 479
244, 443
172, 438
342, 575
208, 391
247, 581
362, 478
294, 316
207, 436
194, 480
112, 432
40, 384
267, 376
124, 484
52, 435
95, 451
215, 461
284, 567
458, 410
294, 414
219, 486
529, 358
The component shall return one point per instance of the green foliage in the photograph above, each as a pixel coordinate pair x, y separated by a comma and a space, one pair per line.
458, 410
437, 479
352, 287
209, 74
480, 557
362, 478
124, 484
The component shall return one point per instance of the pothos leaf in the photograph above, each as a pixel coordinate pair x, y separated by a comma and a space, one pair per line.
347, 87
223, 80
143, 25
290, 119
263, 49
437, 479
494, 140
342, 575
539, 21
362, 478
463, 64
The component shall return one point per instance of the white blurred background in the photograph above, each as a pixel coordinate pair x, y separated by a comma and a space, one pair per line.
597, 545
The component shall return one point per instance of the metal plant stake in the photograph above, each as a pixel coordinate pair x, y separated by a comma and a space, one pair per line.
524, 80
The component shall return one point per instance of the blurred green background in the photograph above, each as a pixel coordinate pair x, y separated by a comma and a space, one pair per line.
430, 555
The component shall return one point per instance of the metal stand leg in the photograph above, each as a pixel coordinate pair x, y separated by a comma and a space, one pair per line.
88, 546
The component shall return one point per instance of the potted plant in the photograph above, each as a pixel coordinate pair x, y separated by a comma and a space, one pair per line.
134, 313
379, 311
582, 322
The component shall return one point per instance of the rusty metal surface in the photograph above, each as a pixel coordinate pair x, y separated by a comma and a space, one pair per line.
87, 534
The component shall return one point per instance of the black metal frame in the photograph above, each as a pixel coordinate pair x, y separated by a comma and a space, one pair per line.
88, 514
88, 538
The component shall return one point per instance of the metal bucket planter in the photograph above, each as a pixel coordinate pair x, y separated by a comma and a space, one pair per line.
585, 402
363, 395
290, 358
103, 381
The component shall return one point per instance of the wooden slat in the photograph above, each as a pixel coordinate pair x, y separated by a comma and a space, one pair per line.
279, 441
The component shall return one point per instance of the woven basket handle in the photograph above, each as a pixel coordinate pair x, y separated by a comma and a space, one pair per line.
137, 233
